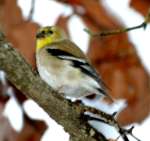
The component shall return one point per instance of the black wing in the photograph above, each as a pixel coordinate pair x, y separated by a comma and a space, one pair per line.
84, 66
76, 62
87, 69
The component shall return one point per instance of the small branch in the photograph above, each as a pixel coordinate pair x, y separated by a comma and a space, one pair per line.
30, 16
122, 30
116, 31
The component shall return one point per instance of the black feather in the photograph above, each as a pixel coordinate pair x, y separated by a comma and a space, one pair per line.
78, 63
81, 64
58, 52
85, 68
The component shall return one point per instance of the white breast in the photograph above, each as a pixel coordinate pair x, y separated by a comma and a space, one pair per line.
56, 72
63, 77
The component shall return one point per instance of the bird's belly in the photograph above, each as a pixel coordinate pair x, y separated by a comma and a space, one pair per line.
64, 78
58, 74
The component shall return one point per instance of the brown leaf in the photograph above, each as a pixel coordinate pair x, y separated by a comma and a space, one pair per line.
23, 38
10, 14
141, 6
62, 22
7, 133
140, 103
18, 31
72, 2
93, 10
32, 130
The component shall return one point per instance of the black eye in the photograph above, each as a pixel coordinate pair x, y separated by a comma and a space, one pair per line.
50, 32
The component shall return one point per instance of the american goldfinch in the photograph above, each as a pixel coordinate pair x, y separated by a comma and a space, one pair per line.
64, 66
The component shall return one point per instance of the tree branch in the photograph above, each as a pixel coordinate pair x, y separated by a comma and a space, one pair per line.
63, 111
121, 30
31, 12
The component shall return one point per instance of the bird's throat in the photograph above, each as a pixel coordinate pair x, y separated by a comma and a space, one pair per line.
41, 43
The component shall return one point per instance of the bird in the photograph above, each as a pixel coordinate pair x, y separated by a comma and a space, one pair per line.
64, 66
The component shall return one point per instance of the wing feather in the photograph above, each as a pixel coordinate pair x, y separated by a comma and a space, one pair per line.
81, 64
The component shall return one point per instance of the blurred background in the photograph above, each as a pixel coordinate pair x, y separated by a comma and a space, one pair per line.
123, 61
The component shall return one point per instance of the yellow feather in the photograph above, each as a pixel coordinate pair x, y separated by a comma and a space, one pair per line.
43, 42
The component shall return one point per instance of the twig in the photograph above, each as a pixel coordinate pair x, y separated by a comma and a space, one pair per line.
122, 30
30, 16
116, 31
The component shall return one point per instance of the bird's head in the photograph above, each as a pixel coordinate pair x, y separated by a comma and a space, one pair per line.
47, 35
